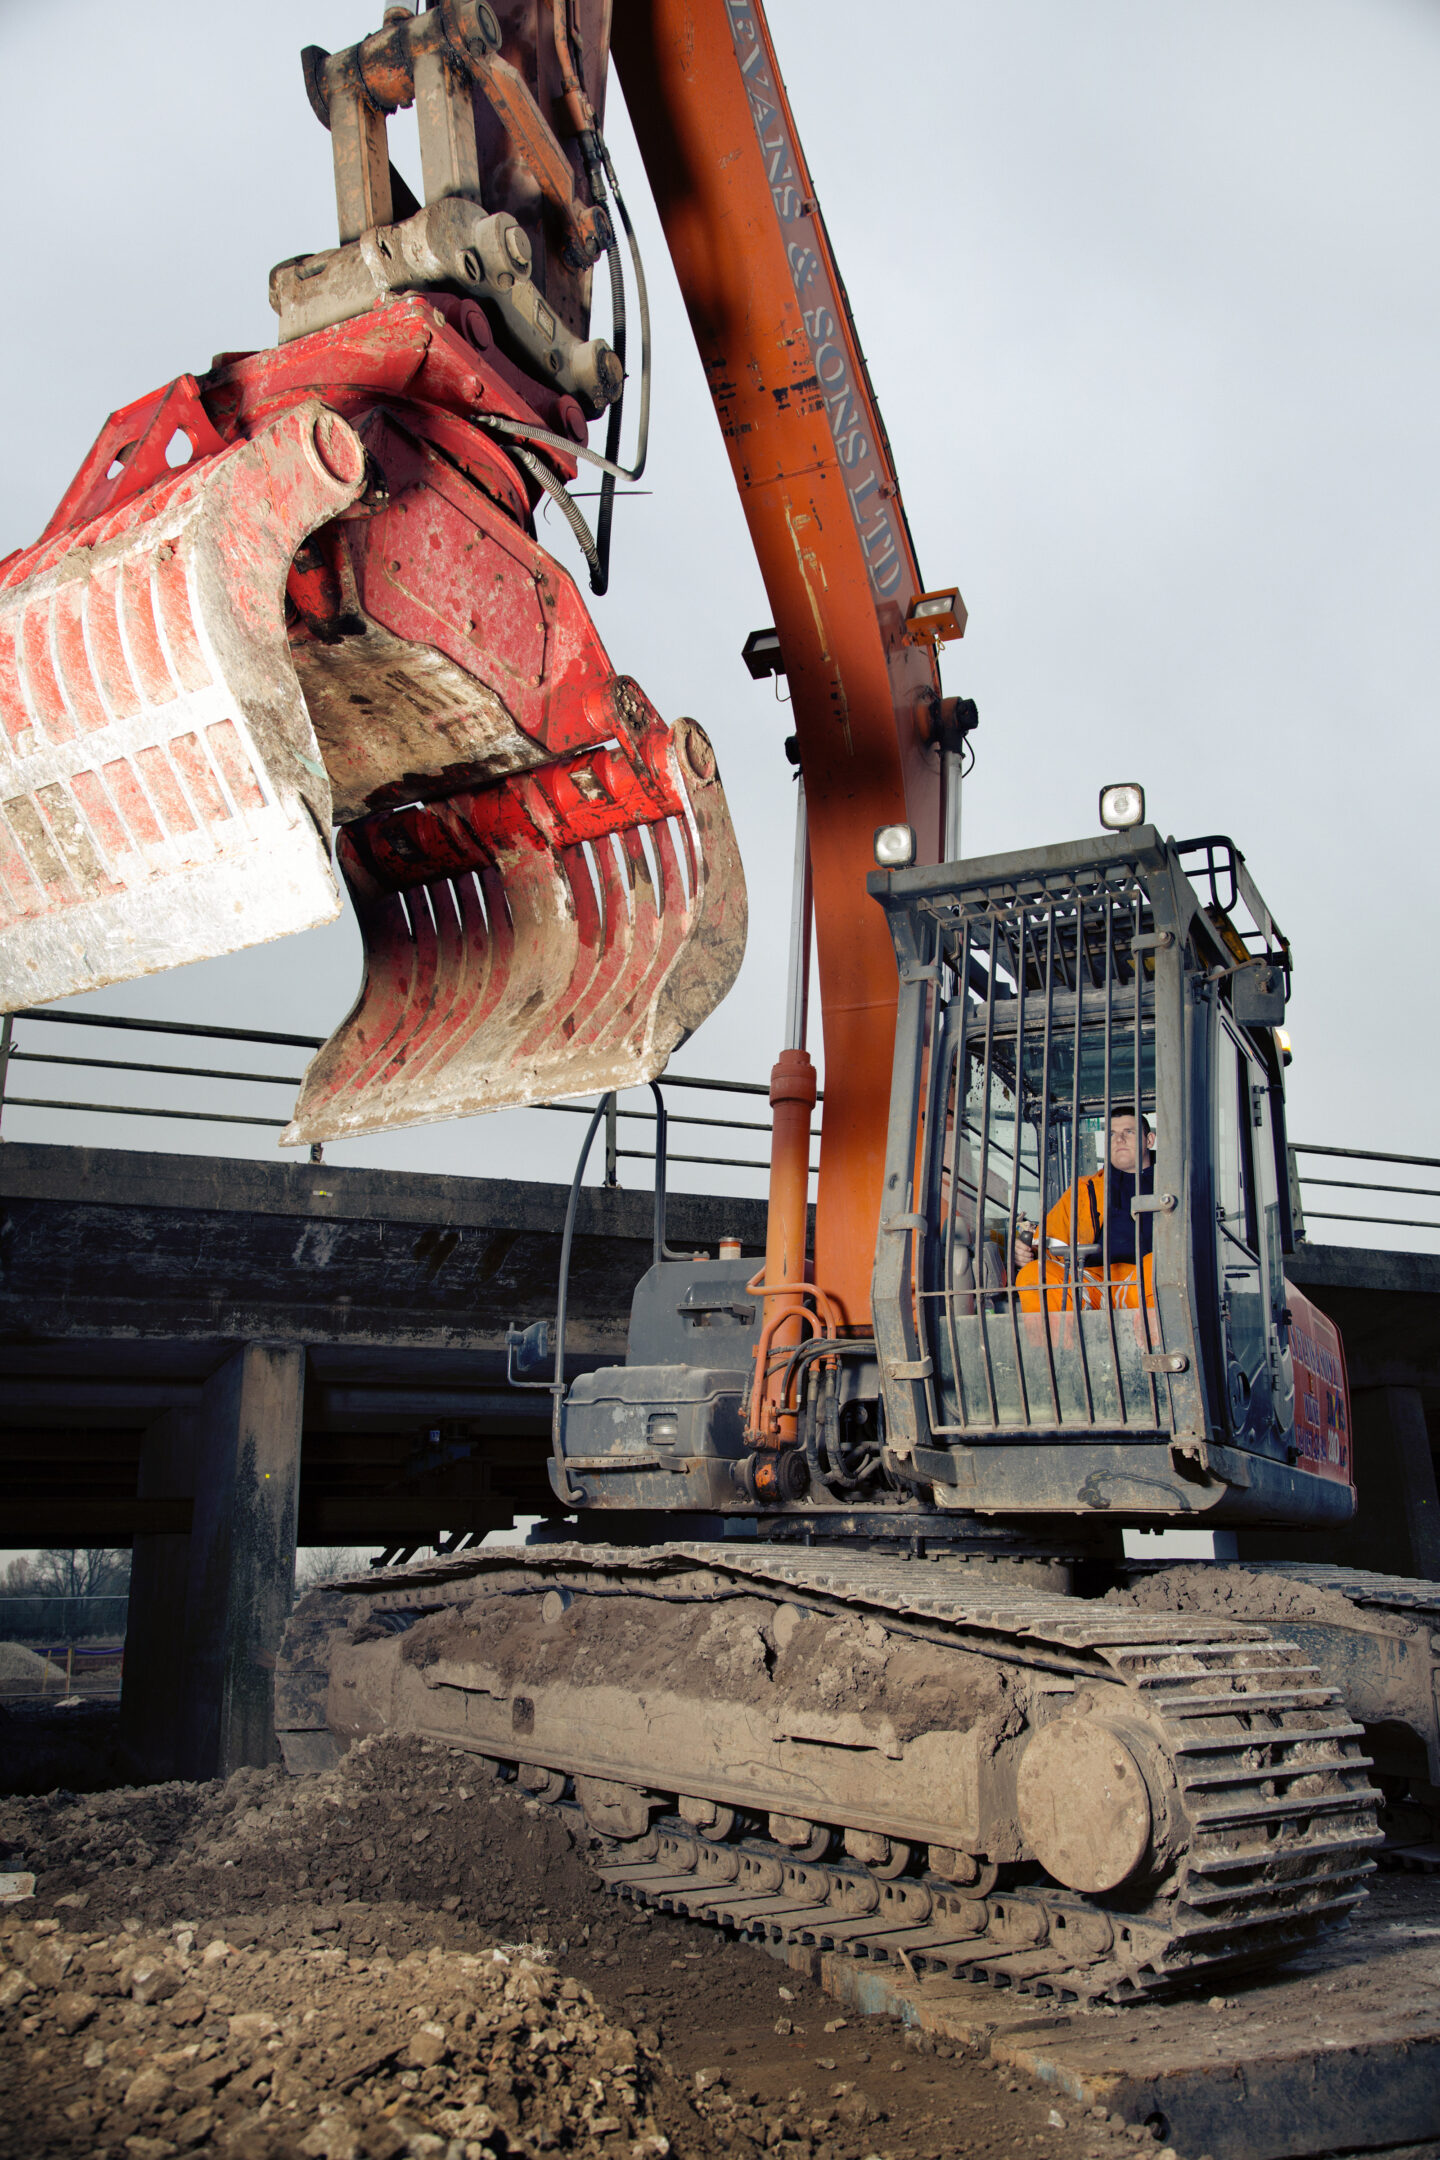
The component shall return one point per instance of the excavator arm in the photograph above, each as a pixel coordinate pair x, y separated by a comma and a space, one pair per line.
812, 462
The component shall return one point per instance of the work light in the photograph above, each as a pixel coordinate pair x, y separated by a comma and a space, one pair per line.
1122, 804
894, 847
939, 616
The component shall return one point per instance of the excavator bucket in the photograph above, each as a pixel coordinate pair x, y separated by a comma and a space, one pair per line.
162, 797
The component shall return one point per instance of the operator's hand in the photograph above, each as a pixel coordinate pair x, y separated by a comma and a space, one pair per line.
1024, 1245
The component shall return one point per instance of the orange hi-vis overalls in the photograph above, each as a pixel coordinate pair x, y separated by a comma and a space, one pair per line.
1053, 1268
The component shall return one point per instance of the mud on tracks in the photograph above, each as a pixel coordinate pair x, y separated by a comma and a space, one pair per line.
404, 1957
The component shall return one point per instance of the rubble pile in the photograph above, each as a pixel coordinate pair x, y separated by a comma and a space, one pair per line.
22, 1671
153, 2044
407, 1956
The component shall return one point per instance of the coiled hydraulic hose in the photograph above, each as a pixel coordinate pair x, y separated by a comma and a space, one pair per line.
600, 169
569, 510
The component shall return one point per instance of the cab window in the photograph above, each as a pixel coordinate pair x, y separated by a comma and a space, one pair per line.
1235, 1196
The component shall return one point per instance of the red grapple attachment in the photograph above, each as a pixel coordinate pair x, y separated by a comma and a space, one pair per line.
162, 797
557, 934
344, 615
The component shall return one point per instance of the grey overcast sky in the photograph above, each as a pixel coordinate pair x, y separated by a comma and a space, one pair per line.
1149, 296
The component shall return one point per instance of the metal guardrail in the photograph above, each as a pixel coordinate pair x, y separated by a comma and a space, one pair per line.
614, 1152
1306, 1179
1309, 1179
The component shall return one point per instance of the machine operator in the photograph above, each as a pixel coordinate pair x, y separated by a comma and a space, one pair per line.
1103, 1223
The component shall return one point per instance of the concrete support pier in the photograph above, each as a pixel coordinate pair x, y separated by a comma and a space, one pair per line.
208, 1608
241, 1582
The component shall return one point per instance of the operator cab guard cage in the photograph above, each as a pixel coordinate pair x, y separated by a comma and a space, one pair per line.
1041, 996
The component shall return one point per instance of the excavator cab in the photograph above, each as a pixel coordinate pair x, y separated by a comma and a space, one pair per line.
1060, 1011
1080, 1306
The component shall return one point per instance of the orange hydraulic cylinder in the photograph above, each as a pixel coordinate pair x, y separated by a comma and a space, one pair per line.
792, 1100
812, 464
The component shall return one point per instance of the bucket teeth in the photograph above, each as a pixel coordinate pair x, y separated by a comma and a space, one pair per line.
528, 941
162, 797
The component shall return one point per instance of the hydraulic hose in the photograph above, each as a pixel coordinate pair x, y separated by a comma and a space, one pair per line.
599, 168
613, 423
562, 1301
569, 510
618, 336
525, 431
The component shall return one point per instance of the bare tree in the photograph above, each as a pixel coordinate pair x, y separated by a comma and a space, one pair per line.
322, 1563
78, 1571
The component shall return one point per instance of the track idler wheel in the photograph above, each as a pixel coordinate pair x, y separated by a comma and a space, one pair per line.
1084, 1805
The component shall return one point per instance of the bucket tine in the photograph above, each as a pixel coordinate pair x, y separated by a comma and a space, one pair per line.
582, 969
375, 1018
673, 923
617, 902
470, 971
589, 934
435, 921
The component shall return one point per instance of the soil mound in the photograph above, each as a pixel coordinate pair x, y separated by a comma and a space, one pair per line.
22, 1671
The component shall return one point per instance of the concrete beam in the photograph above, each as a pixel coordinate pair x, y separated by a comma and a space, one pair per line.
395, 1519
117, 1402
241, 1580
342, 1407
143, 1247
54, 1519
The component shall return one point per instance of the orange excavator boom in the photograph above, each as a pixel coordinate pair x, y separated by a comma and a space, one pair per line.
812, 462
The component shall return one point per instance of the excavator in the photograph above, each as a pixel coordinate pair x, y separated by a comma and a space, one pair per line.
831, 1636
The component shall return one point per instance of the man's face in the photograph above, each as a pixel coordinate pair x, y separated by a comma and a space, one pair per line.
1125, 1137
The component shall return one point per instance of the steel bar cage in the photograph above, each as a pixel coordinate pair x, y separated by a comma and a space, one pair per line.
1043, 998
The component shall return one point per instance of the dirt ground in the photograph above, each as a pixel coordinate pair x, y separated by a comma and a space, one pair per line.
407, 1958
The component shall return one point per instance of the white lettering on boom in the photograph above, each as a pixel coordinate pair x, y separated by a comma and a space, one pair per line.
867, 476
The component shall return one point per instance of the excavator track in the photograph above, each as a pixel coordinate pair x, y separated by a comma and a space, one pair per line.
1272, 1816
1363, 1586
1374, 1637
